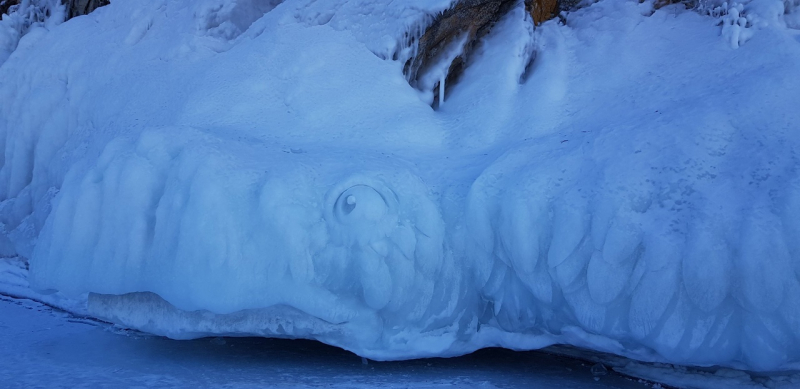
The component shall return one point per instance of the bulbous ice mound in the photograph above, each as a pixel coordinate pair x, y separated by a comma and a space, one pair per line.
263, 168
206, 233
682, 256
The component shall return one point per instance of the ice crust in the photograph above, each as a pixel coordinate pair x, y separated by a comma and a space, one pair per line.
263, 168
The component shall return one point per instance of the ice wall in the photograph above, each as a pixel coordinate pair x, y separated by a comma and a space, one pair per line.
201, 170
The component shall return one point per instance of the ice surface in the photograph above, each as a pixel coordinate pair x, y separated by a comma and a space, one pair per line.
264, 168
54, 348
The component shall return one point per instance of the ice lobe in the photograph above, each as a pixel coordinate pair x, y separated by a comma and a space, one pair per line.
343, 249
171, 214
694, 274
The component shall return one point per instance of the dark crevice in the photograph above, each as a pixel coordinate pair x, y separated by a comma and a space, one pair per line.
82, 7
74, 7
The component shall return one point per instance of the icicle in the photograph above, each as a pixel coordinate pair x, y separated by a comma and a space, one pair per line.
441, 90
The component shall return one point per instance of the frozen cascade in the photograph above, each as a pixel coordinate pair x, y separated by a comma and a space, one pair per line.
201, 171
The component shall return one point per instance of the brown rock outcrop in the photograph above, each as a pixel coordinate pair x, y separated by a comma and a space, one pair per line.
467, 21
541, 10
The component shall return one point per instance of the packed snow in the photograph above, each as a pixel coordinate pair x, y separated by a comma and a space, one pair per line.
264, 168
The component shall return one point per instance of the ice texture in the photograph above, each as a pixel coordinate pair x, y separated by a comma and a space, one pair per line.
28, 16
263, 168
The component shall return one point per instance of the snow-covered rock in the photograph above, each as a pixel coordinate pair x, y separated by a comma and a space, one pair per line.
442, 51
244, 167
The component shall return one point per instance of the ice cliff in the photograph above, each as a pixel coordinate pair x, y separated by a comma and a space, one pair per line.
625, 179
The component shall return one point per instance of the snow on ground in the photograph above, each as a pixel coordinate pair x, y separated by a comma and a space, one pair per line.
14, 283
202, 171
682, 376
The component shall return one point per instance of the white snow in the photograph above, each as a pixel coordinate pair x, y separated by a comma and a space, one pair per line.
200, 169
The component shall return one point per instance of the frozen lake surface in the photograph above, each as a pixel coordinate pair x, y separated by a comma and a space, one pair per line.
43, 347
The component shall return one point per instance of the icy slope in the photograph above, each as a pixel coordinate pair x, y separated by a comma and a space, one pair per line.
264, 168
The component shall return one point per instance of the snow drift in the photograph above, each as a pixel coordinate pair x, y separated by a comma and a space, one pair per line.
263, 167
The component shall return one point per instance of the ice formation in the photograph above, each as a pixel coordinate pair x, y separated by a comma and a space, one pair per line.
263, 167
29, 16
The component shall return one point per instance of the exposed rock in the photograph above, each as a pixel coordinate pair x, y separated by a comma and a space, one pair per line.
445, 46
541, 10
82, 7
462, 25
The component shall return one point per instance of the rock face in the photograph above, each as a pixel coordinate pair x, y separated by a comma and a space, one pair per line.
461, 25
541, 10
82, 7
445, 46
